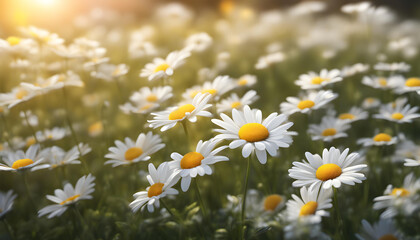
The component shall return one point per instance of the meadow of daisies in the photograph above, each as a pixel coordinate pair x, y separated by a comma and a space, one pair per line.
231, 123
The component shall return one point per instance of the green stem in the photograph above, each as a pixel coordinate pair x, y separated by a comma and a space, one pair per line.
185, 127
9, 229
173, 215
244, 198
25, 182
82, 223
338, 220
200, 199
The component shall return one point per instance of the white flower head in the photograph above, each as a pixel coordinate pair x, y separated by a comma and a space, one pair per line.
383, 229
305, 104
353, 115
314, 80
163, 68
6, 202
19, 160
398, 113
380, 139
330, 128
235, 102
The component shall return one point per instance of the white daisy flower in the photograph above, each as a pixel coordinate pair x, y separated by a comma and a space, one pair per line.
383, 229
163, 68
197, 162
314, 80
398, 113
43, 36
330, 170
129, 152
6, 202
19, 160
353, 115
146, 100
406, 149
330, 128
170, 117
312, 101
109, 72
409, 85
246, 80
411, 162
393, 67
379, 82
17, 95
95, 57
18, 46
54, 82
54, 134
352, 70
198, 42
311, 205
399, 200
270, 59
246, 128
68, 195
56, 156
217, 88
370, 102
161, 182
234, 102
379, 139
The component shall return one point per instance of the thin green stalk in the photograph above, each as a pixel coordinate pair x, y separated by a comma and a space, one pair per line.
244, 198
338, 220
200, 199
83, 223
25, 182
9, 229
185, 127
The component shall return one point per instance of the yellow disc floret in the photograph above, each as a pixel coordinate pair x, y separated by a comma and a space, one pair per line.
329, 132
155, 190
253, 132
308, 209
191, 160
400, 192
235, 104
317, 80
181, 111
22, 163
72, 198
161, 67
305, 104
133, 153
413, 82
382, 137
346, 116
152, 98
13, 40
397, 116
272, 201
328, 171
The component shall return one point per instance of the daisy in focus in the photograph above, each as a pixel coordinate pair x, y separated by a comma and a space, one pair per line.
197, 162
161, 181
19, 160
246, 128
170, 117
69, 195
398, 113
330, 128
235, 102
164, 68
305, 104
314, 80
330, 170
129, 152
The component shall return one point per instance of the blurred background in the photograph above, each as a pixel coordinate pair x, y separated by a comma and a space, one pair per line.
57, 15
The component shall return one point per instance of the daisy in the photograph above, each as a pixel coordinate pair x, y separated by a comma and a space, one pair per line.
370, 102
234, 102
246, 80
379, 139
411, 162
17, 95
330, 170
197, 162
273, 202
146, 100
6, 202
56, 156
384, 229
18, 46
409, 85
397, 112
246, 128
109, 72
163, 68
312, 101
352, 70
43, 36
129, 152
161, 182
170, 117
406, 149
311, 205
379, 82
19, 161
393, 67
54, 134
330, 128
399, 200
217, 88
95, 57
270, 59
68, 196
198, 42
353, 115
314, 80
355, 8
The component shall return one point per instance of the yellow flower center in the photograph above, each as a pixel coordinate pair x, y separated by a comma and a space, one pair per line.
370, 100
22, 163
388, 237
413, 82
21, 94
272, 201
181, 111
235, 104
400, 192
382, 82
30, 141
328, 171
329, 132
382, 137
155, 190
212, 91
242, 82
191, 160
133, 153
96, 128
345, 116
305, 104
116, 72
397, 116
70, 199
13, 40
152, 98
253, 132
308, 209
161, 67
317, 80
145, 107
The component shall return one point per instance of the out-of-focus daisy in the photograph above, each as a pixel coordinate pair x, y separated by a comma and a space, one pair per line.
270, 59
247, 129
146, 100
383, 229
330, 170
312, 204
54, 134
19, 160
246, 80
198, 42
379, 139
109, 72
406, 149
393, 67
95, 57
409, 85
218, 87
370, 102
170, 117
56, 156
353, 115
129, 152
95, 129
273, 202
233, 101
399, 200
378, 82
163, 68
43, 36
330, 128
411, 162
67, 196
54, 82
354, 8
161, 182
18, 46
17, 95
314, 80
352, 70
397, 113
305, 104
6, 202
197, 162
